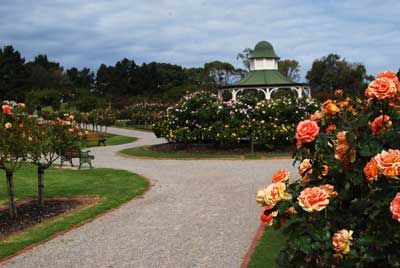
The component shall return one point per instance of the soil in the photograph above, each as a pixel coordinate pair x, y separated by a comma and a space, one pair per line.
30, 214
211, 149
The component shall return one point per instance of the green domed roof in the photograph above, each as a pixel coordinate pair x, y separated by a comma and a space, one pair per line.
263, 49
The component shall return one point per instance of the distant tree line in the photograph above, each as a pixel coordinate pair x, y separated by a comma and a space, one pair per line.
42, 82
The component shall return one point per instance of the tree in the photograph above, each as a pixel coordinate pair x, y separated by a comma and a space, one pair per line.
244, 56
219, 73
14, 140
81, 79
45, 74
331, 72
13, 74
51, 140
290, 69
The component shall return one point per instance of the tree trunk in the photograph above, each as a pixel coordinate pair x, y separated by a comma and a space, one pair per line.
12, 208
40, 185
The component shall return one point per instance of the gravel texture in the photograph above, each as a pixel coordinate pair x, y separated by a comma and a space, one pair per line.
199, 213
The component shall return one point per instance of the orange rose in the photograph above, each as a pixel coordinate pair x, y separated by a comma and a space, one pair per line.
395, 207
341, 136
313, 199
330, 107
339, 92
307, 131
8, 125
329, 190
267, 217
330, 129
318, 115
305, 166
260, 195
341, 150
371, 170
381, 124
389, 162
280, 176
7, 109
274, 193
341, 241
381, 88
325, 170
390, 75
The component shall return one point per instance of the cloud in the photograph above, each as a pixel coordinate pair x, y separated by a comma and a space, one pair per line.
190, 33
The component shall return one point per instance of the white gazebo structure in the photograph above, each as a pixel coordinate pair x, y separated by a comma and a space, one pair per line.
264, 76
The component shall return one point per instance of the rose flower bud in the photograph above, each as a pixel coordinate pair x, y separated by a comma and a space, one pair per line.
341, 241
330, 107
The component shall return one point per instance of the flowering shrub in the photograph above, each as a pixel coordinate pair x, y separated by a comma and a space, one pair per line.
23, 138
202, 118
345, 210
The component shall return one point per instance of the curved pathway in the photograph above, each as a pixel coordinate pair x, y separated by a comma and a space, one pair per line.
199, 213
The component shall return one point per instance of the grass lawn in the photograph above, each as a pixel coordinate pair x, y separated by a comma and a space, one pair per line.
267, 249
113, 140
148, 128
146, 152
114, 187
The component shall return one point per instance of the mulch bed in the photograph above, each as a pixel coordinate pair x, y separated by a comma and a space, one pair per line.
30, 214
210, 149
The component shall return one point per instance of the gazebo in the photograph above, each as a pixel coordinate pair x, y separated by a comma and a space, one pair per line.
264, 76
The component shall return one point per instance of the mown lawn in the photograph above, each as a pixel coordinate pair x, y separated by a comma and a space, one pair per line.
114, 187
148, 153
267, 249
112, 140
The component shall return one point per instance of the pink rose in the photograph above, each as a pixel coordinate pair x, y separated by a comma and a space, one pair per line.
313, 199
307, 131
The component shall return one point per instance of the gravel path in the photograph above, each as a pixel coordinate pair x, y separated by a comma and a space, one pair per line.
199, 213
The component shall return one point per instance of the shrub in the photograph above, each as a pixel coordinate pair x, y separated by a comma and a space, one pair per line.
203, 118
345, 210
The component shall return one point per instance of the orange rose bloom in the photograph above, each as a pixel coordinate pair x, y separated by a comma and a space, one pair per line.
267, 217
341, 136
389, 162
305, 166
395, 207
318, 115
313, 199
275, 193
381, 88
307, 131
390, 75
6, 109
341, 241
381, 124
341, 150
8, 125
280, 176
330, 107
329, 190
339, 92
325, 170
371, 170
330, 129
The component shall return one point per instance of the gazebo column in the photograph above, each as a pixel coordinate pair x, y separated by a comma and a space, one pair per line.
234, 93
220, 92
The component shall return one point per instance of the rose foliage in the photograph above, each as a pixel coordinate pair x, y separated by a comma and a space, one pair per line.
203, 118
345, 211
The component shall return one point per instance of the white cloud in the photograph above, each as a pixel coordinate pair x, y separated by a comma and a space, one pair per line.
190, 33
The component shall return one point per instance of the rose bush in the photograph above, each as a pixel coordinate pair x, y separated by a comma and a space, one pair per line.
345, 209
202, 118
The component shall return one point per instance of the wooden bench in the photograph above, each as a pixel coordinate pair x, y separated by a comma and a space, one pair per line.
95, 136
84, 157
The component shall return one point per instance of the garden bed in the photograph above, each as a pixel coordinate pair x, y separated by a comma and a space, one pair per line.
204, 151
110, 187
31, 214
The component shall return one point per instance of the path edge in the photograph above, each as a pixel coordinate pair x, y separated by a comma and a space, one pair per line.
253, 245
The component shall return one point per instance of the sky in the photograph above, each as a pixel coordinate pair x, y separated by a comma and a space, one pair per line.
87, 33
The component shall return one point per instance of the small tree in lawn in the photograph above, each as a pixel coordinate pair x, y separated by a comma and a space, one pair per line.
51, 139
13, 145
